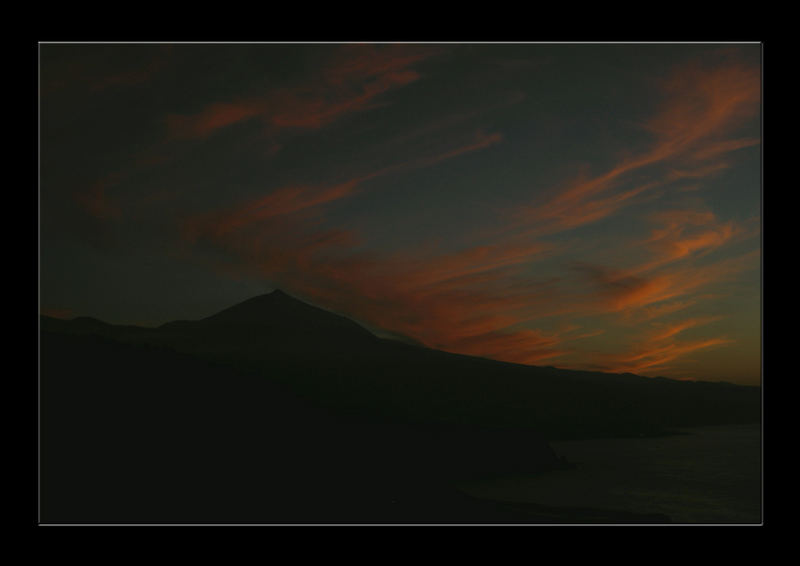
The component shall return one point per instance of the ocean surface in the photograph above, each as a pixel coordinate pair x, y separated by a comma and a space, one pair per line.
711, 475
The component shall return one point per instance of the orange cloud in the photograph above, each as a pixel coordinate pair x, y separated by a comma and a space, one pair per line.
280, 202
669, 330
477, 300
705, 101
311, 111
212, 118
444, 300
686, 232
523, 346
481, 141
618, 290
621, 290
681, 247
701, 107
661, 310
294, 199
454, 301
650, 358
655, 349
350, 82
436, 298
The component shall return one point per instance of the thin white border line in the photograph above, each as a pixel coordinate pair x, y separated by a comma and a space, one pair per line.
401, 524
400, 42
761, 281
39, 290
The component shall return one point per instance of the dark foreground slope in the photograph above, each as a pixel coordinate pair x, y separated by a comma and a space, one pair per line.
274, 411
133, 434
332, 361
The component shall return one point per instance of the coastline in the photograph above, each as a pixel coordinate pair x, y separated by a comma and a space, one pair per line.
701, 475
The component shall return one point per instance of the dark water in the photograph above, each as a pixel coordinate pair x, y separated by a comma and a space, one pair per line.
711, 475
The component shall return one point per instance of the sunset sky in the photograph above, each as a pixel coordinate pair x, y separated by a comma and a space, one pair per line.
586, 206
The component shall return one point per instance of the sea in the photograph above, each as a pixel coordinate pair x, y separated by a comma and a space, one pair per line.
705, 475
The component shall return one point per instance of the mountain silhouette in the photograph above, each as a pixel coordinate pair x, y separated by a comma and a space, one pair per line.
276, 411
283, 314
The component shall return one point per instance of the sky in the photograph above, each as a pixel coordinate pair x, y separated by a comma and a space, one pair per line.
584, 206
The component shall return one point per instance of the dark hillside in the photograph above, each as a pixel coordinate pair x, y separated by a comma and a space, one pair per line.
334, 362
142, 434
276, 411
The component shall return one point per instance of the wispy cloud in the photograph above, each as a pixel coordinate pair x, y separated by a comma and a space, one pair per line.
655, 352
298, 198
351, 81
442, 299
484, 299
668, 330
456, 301
682, 233
702, 106
619, 290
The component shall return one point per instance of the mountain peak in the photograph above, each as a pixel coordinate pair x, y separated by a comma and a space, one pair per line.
279, 295
282, 312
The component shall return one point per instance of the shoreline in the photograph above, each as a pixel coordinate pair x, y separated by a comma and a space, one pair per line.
684, 477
